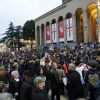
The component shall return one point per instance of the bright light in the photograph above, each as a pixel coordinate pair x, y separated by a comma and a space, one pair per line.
99, 37
93, 12
98, 3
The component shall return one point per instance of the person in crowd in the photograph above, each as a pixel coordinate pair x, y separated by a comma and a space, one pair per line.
14, 85
4, 95
3, 74
54, 81
74, 85
21, 68
93, 80
40, 72
8, 71
27, 85
61, 75
80, 69
38, 92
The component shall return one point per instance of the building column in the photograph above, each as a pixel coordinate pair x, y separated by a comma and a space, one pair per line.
50, 32
40, 36
36, 35
90, 29
57, 31
65, 31
85, 26
98, 18
74, 28
45, 34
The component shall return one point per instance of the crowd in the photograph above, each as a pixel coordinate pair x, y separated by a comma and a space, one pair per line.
30, 75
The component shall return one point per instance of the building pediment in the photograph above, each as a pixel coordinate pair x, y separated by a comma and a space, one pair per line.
51, 12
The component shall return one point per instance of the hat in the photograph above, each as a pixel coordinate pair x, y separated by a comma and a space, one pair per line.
38, 80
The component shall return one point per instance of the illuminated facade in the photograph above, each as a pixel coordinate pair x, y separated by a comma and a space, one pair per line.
73, 21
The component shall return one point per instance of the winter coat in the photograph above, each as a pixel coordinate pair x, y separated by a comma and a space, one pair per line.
38, 94
26, 89
54, 80
14, 87
74, 85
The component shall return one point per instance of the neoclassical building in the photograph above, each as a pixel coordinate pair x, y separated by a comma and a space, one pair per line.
72, 21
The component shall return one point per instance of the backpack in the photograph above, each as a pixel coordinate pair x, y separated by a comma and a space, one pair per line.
93, 79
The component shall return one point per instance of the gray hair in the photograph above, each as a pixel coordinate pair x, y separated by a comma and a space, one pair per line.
6, 96
38, 80
71, 66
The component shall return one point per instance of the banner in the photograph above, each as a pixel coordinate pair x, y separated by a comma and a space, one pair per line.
54, 33
69, 29
48, 34
61, 31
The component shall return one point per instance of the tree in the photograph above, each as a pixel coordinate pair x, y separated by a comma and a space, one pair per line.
29, 30
13, 36
10, 35
18, 34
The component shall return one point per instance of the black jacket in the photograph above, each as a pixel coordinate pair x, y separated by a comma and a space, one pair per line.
14, 86
26, 89
38, 94
74, 85
54, 80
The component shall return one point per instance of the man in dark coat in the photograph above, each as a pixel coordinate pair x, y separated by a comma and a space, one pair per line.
26, 88
74, 85
55, 82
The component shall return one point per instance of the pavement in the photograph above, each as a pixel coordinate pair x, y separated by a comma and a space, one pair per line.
65, 97
61, 97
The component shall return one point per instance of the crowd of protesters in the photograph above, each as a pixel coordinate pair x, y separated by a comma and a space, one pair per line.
30, 75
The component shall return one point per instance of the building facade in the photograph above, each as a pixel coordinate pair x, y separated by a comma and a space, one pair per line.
72, 21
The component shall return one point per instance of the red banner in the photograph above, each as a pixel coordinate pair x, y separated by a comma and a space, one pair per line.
48, 34
61, 31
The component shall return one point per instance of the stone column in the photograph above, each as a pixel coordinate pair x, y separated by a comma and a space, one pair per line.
65, 31
40, 35
45, 34
98, 18
57, 31
50, 32
36, 35
85, 26
74, 28
90, 29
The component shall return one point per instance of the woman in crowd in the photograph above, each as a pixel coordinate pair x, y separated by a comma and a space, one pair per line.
4, 95
38, 92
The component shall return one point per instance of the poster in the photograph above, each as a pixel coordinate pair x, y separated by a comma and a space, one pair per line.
69, 29
48, 34
54, 33
61, 31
